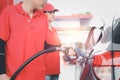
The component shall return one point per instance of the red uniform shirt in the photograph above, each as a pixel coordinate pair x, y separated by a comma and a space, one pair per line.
52, 60
24, 37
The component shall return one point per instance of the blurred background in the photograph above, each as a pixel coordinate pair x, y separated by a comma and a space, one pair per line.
73, 23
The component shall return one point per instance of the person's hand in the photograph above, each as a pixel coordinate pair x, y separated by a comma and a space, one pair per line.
4, 77
71, 52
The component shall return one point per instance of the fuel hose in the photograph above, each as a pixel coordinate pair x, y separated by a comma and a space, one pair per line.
32, 58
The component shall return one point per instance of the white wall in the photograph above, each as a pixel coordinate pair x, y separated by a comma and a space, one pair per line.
101, 9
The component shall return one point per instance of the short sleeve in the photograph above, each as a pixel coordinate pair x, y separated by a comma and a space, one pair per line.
4, 25
52, 37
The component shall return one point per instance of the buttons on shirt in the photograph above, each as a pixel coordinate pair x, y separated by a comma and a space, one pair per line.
29, 20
